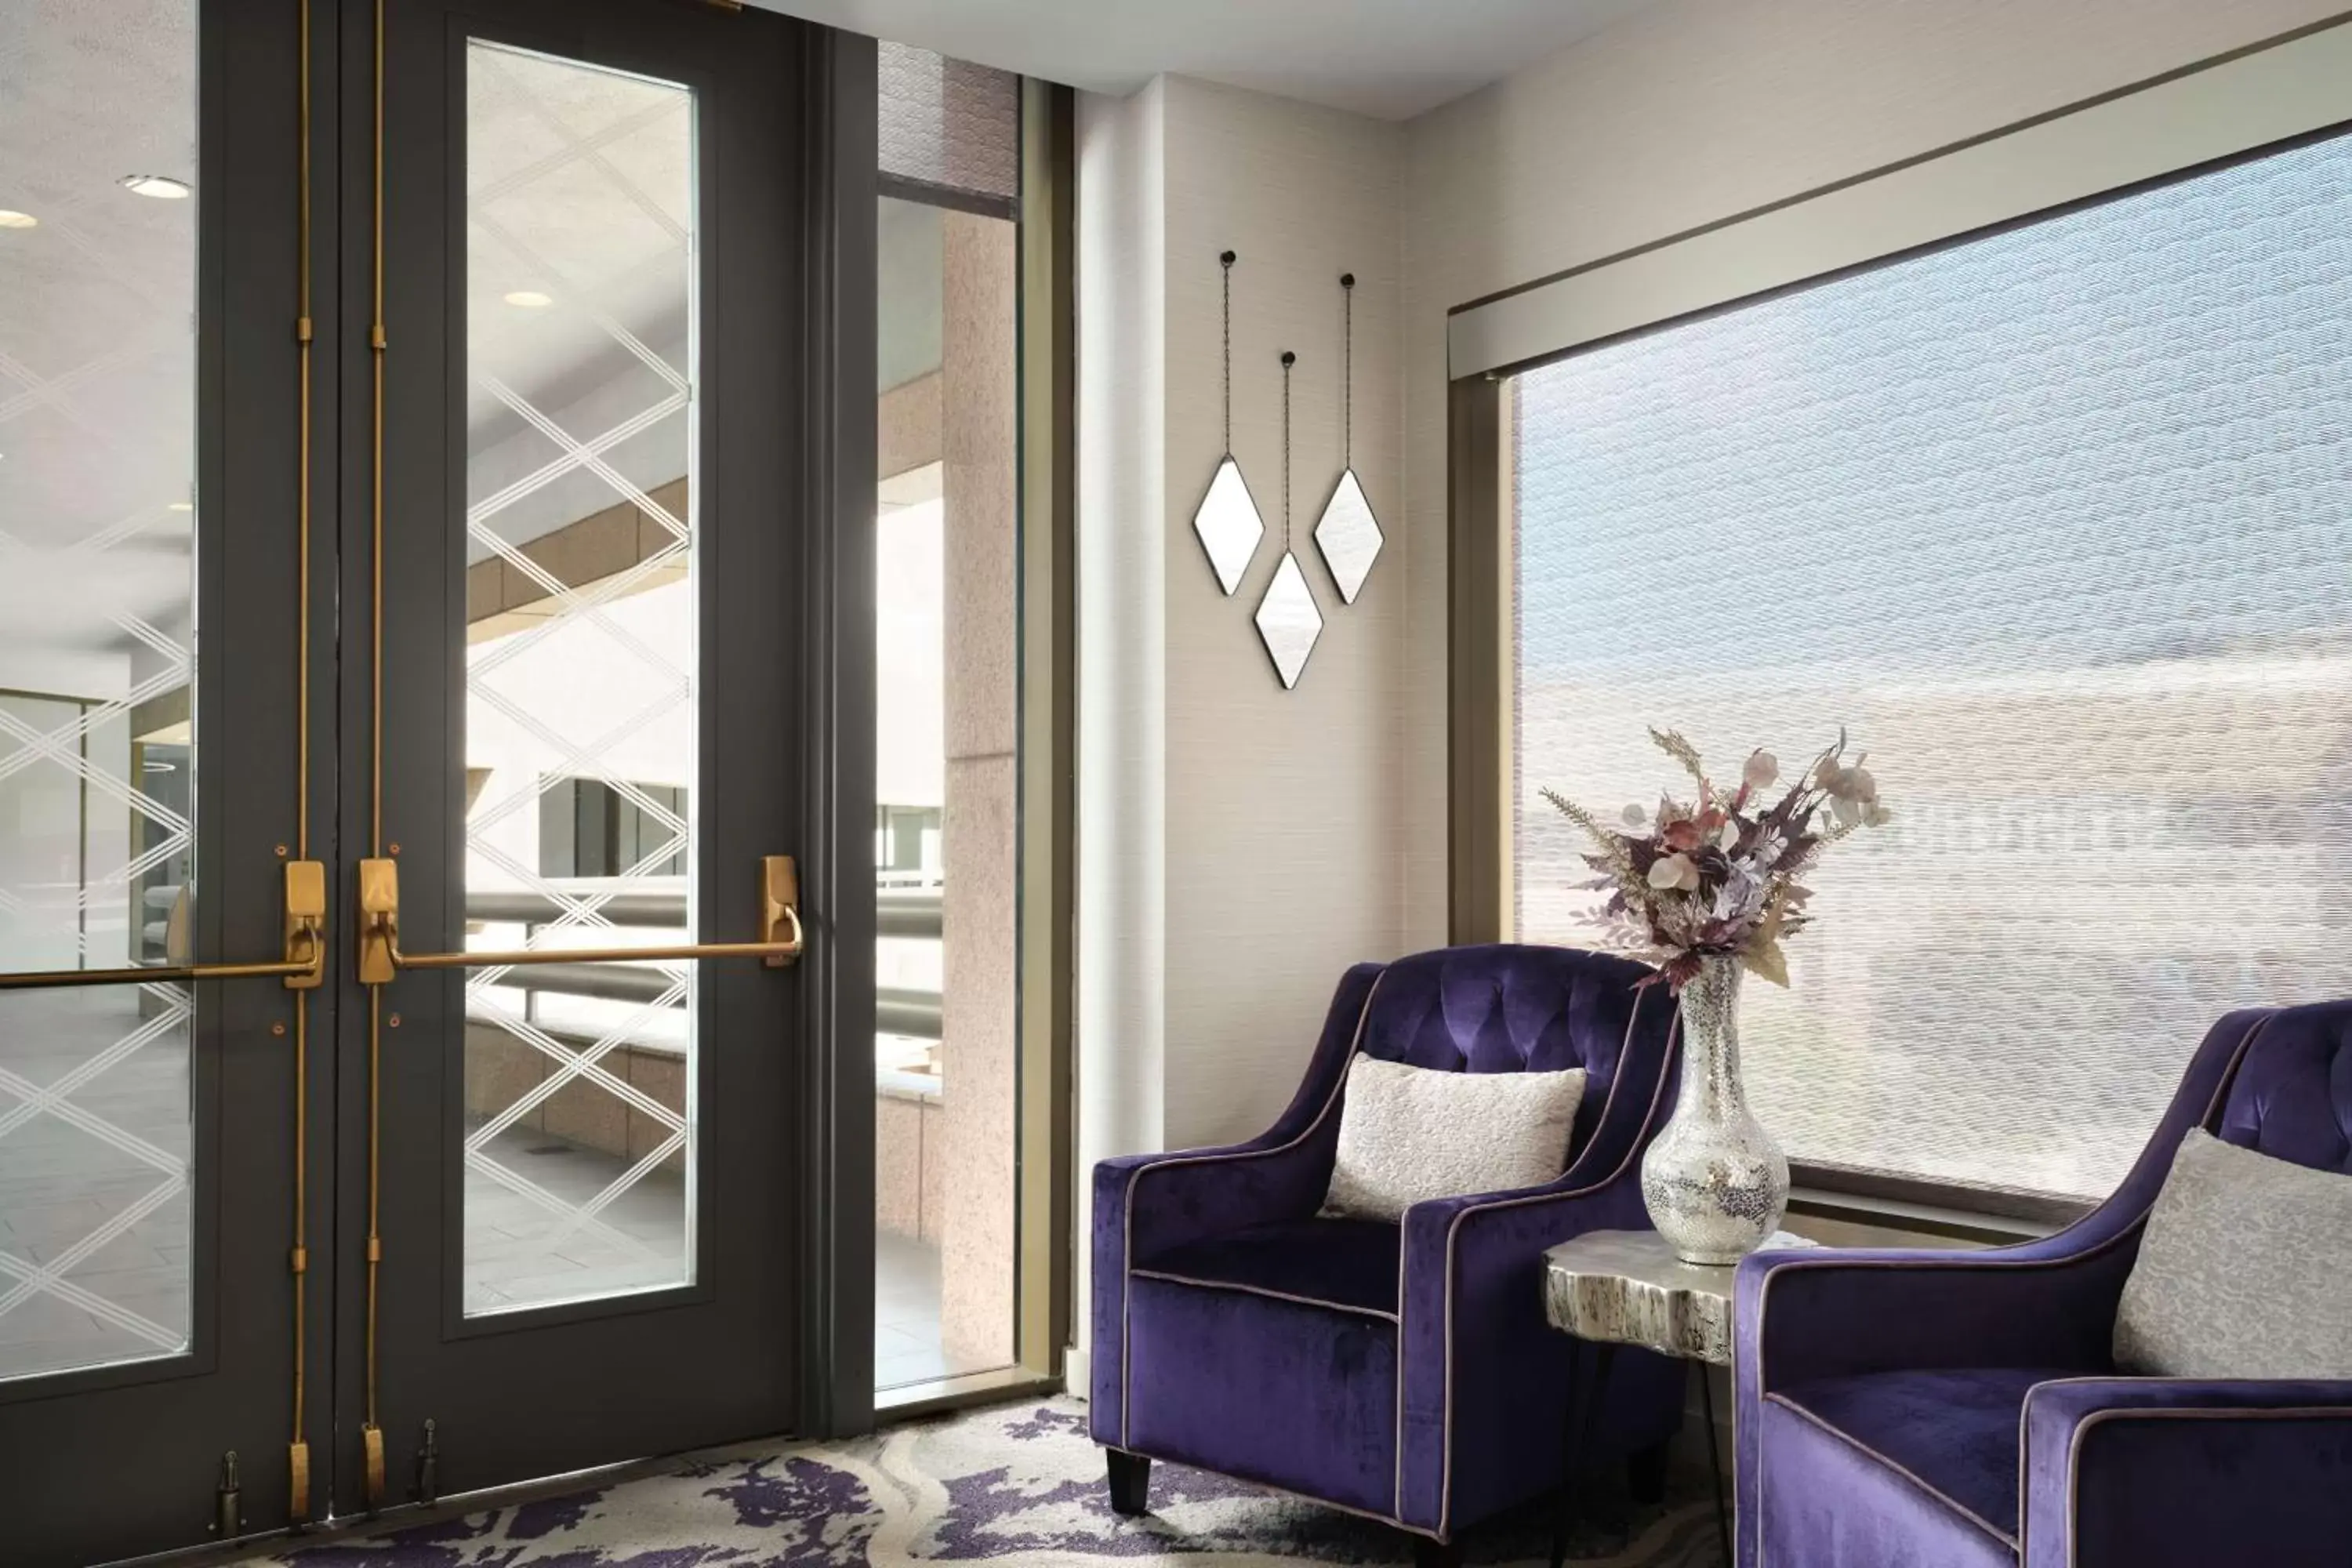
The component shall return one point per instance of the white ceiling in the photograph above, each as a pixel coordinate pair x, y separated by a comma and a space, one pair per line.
1389, 58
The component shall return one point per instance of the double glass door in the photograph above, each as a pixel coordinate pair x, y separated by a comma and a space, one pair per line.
404, 753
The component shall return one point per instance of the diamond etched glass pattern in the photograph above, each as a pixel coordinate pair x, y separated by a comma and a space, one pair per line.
97, 419
1229, 525
580, 678
1348, 536
1288, 620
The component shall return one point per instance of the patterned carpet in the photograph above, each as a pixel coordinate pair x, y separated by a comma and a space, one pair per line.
1014, 1484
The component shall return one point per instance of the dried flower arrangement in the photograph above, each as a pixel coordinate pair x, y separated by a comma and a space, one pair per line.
1720, 877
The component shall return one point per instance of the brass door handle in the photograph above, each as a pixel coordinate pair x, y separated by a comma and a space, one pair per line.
303, 966
381, 960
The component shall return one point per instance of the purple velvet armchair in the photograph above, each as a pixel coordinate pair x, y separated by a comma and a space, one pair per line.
1900, 1409
1402, 1371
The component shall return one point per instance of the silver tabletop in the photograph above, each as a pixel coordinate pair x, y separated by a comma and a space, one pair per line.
1627, 1287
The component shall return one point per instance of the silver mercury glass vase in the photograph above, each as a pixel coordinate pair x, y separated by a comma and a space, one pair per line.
1714, 1181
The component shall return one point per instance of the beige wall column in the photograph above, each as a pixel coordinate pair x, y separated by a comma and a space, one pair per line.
979, 445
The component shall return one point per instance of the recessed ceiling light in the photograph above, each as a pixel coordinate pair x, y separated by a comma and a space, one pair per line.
12, 220
162, 187
530, 299
181, 506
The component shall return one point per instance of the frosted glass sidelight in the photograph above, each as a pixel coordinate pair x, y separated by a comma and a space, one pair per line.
2059, 521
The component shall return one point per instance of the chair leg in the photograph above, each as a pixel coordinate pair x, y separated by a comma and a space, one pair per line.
1428, 1553
1130, 1483
1646, 1473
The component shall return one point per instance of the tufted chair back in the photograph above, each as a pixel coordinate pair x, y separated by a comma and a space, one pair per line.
1512, 1008
2291, 1096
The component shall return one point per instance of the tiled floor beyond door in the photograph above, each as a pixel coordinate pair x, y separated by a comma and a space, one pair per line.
907, 1346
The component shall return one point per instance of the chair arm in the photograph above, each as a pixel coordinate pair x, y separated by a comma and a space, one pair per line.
1474, 1347
1146, 1204
1801, 1315
1473, 1337
1473, 1267
2147, 1472
1837, 1311
2051, 1302
1188, 1194
1481, 1257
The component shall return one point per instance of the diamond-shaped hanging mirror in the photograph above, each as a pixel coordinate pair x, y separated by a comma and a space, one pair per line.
1228, 524
1348, 536
1347, 533
1288, 621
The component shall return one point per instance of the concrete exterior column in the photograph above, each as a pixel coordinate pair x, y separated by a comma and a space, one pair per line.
979, 440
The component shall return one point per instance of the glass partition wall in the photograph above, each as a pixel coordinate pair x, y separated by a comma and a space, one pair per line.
945, 831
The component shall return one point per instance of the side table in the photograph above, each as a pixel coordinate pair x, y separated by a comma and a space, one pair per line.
1613, 1287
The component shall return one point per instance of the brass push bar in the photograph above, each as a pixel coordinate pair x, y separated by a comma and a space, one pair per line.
381, 958
302, 968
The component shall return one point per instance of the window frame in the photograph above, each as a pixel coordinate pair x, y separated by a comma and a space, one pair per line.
2297, 81
1044, 1128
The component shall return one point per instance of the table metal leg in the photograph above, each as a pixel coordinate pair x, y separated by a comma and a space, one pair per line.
1568, 1430
1586, 1395
1715, 1462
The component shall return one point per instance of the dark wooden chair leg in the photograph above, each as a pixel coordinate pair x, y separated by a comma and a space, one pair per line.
1130, 1483
1428, 1553
1646, 1473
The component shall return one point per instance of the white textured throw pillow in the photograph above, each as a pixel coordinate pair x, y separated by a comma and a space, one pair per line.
1409, 1133
2243, 1270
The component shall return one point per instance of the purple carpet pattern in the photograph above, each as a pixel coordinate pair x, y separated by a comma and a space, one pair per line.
1017, 1484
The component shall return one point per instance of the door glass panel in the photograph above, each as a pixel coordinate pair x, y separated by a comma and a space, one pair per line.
580, 678
98, 301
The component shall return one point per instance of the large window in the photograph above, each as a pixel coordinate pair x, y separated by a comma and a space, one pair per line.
2058, 523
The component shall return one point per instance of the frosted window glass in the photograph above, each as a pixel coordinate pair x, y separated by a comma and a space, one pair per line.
2059, 521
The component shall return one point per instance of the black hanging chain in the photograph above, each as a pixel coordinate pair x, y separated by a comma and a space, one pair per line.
1225, 261
1288, 359
1347, 374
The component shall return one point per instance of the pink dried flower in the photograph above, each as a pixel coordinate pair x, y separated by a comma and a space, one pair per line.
1720, 877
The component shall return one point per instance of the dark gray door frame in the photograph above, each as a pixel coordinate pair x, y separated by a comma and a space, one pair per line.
124, 1461
837, 587
776, 1335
